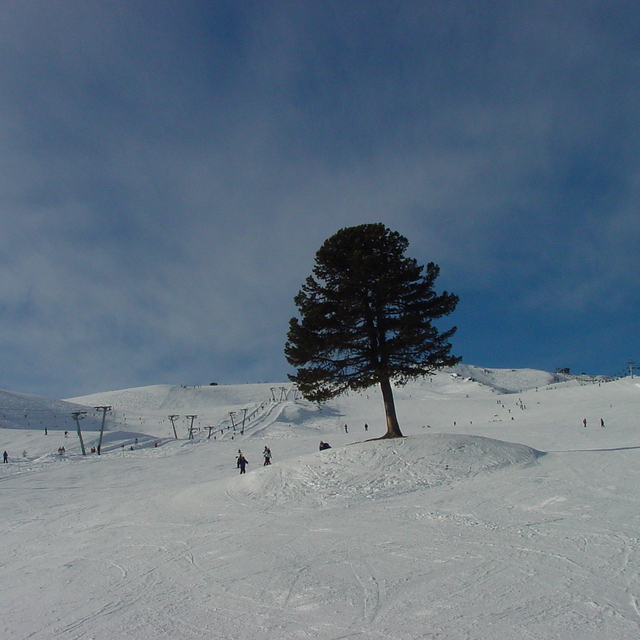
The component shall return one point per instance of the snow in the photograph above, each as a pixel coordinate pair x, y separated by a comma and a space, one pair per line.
499, 516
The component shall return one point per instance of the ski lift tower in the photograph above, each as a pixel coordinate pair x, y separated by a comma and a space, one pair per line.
244, 418
192, 418
77, 416
104, 415
173, 419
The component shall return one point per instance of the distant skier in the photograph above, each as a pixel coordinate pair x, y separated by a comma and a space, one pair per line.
602, 422
238, 458
584, 423
366, 427
5, 457
346, 429
324, 445
267, 456
242, 463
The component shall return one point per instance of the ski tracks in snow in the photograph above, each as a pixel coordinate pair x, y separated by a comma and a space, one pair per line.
373, 594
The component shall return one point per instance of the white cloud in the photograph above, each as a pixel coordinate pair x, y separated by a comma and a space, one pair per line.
169, 172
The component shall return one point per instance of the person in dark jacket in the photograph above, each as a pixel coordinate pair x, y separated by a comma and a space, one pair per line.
242, 463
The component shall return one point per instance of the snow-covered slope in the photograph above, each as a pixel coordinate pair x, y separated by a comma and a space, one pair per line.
499, 516
25, 411
507, 380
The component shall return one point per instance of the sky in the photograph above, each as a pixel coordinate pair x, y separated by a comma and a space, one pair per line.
169, 169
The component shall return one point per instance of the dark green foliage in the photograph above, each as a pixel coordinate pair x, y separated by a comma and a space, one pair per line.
366, 316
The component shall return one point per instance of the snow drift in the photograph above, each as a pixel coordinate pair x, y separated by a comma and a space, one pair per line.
378, 469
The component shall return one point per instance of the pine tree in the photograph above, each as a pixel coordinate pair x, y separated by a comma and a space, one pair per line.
366, 318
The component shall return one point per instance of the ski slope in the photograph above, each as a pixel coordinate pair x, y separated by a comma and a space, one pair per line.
499, 516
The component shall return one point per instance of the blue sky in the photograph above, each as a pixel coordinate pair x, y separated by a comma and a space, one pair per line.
169, 170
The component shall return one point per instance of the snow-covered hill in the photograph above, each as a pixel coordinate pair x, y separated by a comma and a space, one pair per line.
499, 516
378, 470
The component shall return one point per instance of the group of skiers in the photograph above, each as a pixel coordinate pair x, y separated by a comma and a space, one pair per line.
346, 427
584, 422
5, 456
242, 462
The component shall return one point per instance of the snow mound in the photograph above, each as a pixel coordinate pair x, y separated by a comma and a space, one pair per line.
378, 469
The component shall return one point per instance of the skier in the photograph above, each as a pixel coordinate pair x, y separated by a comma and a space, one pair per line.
5, 457
602, 422
242, 463
324, 445
584, 422
267, 456
346, 429
366, 427
238, 458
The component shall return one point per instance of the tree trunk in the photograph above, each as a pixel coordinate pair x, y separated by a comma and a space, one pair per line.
393, 428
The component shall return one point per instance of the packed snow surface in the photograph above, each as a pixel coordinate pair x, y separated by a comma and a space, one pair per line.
499, 516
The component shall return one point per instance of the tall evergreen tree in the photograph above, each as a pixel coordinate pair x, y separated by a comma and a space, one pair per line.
366, 318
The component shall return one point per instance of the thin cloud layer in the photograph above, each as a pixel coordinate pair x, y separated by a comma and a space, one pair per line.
169, 170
